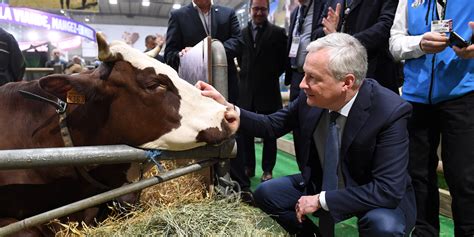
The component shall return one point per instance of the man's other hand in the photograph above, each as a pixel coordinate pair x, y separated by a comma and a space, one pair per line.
466, 52
307, 205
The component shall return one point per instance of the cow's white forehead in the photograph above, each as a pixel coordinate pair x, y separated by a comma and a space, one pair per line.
198, 112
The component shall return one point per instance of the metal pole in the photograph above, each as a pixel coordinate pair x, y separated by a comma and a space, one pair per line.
219, 68
220, 81
113, 154
101, 198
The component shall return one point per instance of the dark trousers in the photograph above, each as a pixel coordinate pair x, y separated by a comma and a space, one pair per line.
278, 197
237, 165
453, 121
247, 146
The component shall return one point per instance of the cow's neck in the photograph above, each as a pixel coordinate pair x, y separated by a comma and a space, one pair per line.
31, 123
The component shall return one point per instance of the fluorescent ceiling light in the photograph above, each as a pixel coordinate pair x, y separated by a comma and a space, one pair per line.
113, 1
146, 3
176, 6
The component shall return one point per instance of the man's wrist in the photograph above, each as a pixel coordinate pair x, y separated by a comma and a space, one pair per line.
322, 200
421, 47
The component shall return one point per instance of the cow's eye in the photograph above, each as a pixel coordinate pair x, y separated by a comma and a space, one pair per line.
156, 86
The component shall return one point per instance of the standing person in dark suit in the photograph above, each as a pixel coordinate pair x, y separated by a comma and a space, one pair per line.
305, 26
263, 61
369, 21
12, 63
353, 153
155, 43
305, 22
189, 25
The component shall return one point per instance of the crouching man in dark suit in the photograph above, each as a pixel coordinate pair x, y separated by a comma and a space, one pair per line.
353, 152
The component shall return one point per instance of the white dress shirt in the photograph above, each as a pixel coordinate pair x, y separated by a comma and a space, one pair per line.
321, 132
403, 46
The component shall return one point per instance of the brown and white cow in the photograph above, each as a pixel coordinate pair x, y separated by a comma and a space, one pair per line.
130, 99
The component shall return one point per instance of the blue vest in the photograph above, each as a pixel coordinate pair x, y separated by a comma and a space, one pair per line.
433, 78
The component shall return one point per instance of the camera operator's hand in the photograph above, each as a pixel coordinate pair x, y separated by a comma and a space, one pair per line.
433, 42
466, 52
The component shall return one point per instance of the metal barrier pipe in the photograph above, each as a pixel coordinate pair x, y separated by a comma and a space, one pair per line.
220, 81
101, 198
219, 68
113, 154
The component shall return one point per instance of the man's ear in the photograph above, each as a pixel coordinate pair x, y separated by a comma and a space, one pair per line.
349, 82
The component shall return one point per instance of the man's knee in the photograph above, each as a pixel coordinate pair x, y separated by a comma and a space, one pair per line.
382, 222
261, 196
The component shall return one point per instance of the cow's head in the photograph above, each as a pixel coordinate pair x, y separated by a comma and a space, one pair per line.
142, 102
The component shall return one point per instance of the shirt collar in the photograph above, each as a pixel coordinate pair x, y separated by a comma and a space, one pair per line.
344, 111
254, 26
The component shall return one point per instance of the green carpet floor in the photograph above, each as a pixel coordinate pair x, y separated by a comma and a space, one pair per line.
286, 165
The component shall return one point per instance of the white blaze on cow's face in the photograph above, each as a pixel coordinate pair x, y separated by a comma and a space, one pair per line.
197, 112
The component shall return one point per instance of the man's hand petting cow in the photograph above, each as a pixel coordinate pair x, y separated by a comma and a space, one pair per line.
130, 99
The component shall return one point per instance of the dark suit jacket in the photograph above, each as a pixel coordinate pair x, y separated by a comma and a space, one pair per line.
316, 31
260, 69
370, 21
185, 29
374, 150
12, 63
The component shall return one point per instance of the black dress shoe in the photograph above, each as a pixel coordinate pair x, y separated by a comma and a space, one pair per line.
266, 176
249, 172
246, 196
309, 229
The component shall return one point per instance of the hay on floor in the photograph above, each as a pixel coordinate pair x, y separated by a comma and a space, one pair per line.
182, 207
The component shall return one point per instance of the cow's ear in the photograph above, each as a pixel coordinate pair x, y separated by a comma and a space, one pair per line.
57, 85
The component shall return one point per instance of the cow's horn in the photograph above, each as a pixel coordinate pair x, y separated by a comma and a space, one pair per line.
104, 52
155, 51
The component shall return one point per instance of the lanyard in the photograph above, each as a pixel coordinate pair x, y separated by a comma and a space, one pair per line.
443, 5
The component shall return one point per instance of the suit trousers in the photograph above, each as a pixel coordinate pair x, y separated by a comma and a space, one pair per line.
247, 146
453, 121
278, 197
237, 165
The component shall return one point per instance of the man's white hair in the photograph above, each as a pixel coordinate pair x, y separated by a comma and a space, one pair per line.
346, 55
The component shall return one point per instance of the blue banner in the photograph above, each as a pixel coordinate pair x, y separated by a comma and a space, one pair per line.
35, 18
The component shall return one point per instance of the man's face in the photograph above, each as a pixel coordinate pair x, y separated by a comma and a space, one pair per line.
320, 86
56, 54
202, 3
150, 43
259, 11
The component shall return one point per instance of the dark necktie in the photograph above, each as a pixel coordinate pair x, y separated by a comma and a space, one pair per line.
301, 17
331, 154
258, 36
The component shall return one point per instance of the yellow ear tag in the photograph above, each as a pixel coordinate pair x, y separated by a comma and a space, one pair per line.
73, 97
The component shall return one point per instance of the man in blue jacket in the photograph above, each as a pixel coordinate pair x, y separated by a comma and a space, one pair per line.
439, 84
353, 151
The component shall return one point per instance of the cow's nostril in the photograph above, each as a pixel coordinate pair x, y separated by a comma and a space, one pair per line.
230, 120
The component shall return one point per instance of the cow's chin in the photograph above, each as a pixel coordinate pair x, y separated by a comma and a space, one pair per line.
182, 139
